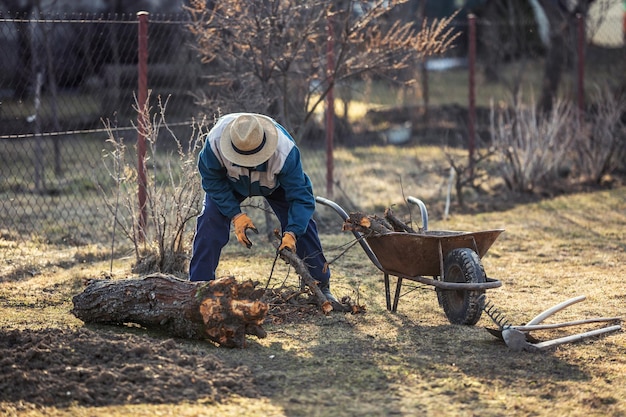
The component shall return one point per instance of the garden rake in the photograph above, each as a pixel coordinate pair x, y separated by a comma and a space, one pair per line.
518, 338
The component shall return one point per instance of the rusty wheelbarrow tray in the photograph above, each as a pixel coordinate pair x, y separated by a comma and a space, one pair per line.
451, 258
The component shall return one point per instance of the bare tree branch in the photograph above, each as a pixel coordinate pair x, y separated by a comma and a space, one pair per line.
263, 56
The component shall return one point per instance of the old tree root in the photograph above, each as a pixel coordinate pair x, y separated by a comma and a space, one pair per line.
222, 310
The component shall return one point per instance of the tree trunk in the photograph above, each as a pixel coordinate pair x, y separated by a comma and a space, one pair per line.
553, 70
562, 41
222, 310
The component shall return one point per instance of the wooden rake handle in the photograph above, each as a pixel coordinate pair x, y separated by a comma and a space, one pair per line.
575, 337
553, 310
531, 327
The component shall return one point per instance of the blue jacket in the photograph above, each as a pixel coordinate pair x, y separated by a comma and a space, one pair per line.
223, 181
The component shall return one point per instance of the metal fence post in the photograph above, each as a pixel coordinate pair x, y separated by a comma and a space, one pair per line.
581, 65
471, 111
142, 117
330, 110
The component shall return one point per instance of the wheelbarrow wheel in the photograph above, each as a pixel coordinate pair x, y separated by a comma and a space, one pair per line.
462, 306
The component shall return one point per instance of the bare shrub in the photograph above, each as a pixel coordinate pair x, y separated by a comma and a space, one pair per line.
474, 176
172, 197
601, 146
532, 147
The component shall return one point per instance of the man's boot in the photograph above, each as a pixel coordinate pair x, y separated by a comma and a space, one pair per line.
325, 288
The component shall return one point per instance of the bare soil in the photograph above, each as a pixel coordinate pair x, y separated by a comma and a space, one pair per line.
101, 367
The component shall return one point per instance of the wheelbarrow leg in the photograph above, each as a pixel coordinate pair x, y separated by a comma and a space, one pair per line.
396, 297
387, 291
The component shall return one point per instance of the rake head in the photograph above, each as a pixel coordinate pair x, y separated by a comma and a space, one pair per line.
494, 314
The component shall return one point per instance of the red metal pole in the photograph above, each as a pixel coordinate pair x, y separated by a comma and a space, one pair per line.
471, 111
330, 110
624, 22
581, 65
142, 122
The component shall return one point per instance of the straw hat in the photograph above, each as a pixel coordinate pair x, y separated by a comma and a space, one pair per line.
249, 140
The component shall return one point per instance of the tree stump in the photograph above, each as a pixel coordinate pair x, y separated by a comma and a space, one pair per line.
222, 310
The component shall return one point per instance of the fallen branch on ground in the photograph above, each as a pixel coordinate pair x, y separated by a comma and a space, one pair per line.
303, 271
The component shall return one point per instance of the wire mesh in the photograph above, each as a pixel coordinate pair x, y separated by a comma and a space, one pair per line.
63, 77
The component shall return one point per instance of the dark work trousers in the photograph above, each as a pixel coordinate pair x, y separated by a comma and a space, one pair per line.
213, 230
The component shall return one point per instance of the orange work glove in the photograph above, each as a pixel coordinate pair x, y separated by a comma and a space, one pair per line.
288, 242
242, 223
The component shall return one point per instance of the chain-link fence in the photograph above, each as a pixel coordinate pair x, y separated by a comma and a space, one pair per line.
63, 78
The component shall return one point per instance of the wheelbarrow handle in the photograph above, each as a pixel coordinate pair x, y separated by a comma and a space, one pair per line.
370, 254
423, 212
334, 206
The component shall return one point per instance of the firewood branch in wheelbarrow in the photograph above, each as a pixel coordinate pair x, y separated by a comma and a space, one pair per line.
373, 224
518, 338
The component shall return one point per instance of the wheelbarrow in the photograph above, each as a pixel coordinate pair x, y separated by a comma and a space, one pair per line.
450, 261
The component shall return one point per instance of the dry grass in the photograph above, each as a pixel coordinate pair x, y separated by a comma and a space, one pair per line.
412, 362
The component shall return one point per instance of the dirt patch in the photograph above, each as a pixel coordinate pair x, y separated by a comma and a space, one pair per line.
56, 367
104, 365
